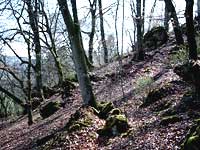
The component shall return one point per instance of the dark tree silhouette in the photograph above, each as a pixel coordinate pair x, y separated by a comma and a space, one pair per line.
190, 30
177, 30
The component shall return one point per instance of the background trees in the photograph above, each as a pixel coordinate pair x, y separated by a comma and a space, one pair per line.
41, 32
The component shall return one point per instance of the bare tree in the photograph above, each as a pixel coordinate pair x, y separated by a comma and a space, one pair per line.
190, 30
29, 100
33, 20
52, 46
103, 41
143, 15
140, 51
177, 30
93, 9
166, 19
73, 28
198, 8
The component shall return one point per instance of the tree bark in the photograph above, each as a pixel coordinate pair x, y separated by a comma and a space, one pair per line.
190, 30
33, 19
29, 100
166, 19
198, 8
91, 35
3, 105
143, 16
103, 41
177, 30
73, 29
140, 51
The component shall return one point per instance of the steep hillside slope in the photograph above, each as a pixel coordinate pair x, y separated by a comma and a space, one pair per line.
151, 125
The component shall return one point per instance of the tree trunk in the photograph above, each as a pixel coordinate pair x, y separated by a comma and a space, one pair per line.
33, 19
103, 41
29, 101
190, 30
177, 30
198, 8
166, 19
140, 51
93, 23
143, 16
3, 105
73, 29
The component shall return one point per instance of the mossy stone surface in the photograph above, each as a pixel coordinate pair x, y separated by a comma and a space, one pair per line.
80, 119
50, 108
192, 139
74, 127
155, 37
115, 111
115, 125
170, 120
158, 93
192, 143
104, 109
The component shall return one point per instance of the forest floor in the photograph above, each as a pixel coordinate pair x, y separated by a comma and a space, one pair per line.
146, 131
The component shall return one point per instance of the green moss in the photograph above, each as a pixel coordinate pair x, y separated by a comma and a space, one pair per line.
80, 119
192, 143
162, 106
78, 125
127, 133
104, 109
95, 111
50, 108
170, 120
197, 121
74, 127
72, 77
192, 139
121, 118
157, 94
115, 125
155, 37
115, 111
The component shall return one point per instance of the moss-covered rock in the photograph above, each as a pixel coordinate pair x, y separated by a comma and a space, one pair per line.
162, 106
49, 108
155, 37
74, 127
193, 143
115, 111
36, 102
170, 120
168, 112
158, 94
104, 108
190, 73
115, 125
81, 118
192, 140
